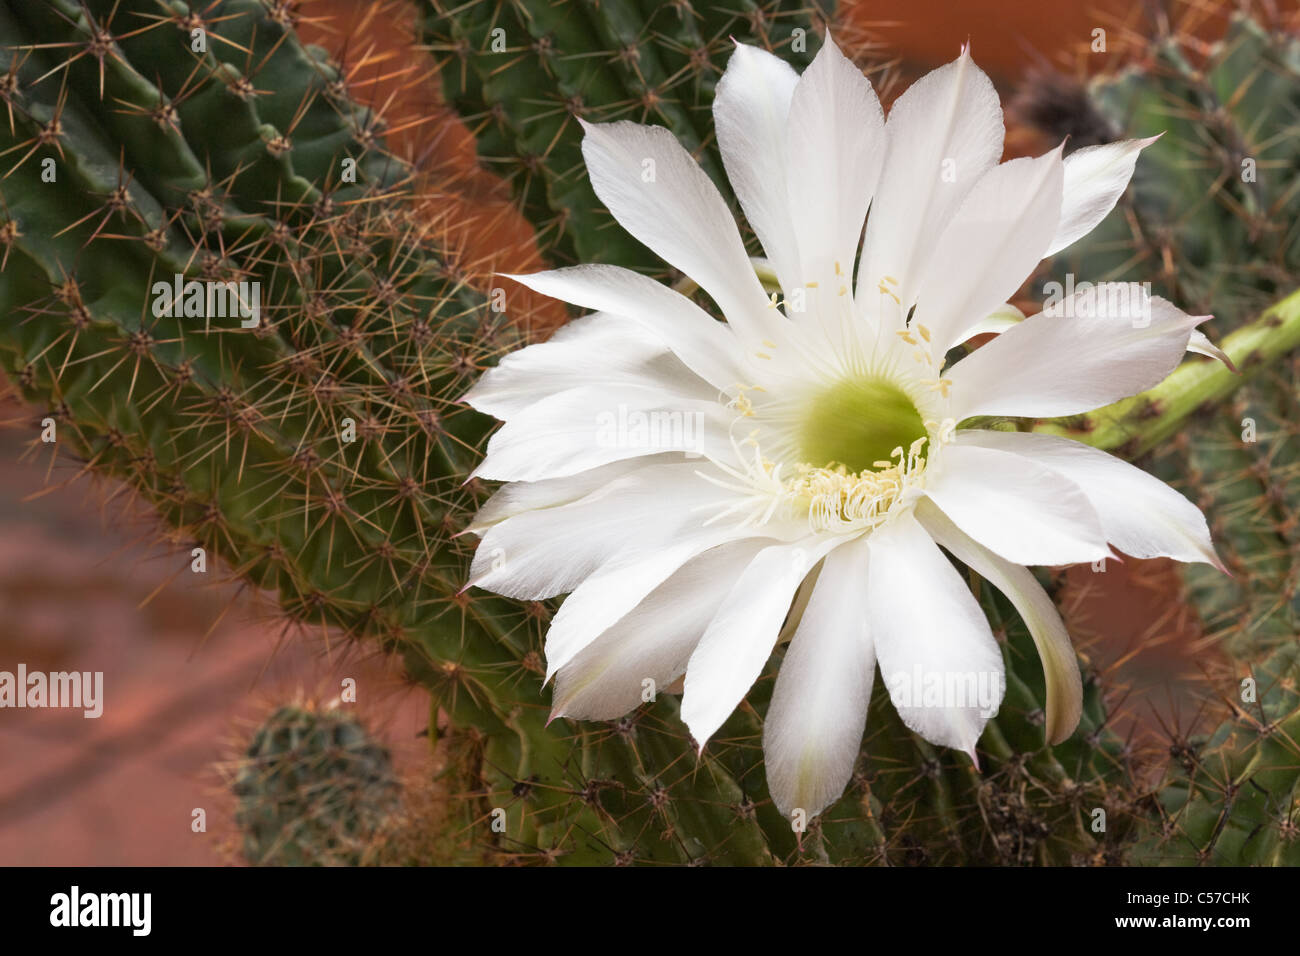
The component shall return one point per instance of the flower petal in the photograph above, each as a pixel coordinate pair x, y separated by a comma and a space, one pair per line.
990, 247
598, 350
936, 651
659, 194
1060, 667
739, 639
538, 554
1105, 343
813, 727
707, 347
749, 113
517, 497
653, 641
603, 599
995, 323
581, 428
1016, 508
1200, 344
944, 132
835, 146
1140, 515
1095, 178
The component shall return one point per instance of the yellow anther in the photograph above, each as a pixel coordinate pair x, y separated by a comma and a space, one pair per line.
763, 355
835, 497
925, 333
769, 344
906, 336
885, 290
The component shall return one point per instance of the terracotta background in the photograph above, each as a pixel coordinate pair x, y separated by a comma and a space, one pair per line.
189, 666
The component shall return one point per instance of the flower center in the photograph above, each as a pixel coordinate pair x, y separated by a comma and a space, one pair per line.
861, 451
859, 423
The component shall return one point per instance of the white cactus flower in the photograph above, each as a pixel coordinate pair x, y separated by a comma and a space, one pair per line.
704, 489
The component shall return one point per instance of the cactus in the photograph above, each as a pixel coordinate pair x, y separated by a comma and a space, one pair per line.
313, 788
321, 452
228, 164
1233, 798
522, 74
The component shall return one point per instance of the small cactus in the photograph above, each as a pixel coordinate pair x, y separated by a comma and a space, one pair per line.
313, 789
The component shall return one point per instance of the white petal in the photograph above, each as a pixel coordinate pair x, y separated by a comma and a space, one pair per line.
749, 112
603, 599
740, 638
538, 554
653, 641
990, 247
944, 132
1016, 508
998, 321
595, 350
1008, 315
706, 346
1140, 515
835, 146
516, 497
572, 431
1075, 360
814, 724
1200, 343
931, 636
1060, 668
659, 194
1095, 178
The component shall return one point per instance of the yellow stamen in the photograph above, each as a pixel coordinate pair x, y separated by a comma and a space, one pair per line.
836, 497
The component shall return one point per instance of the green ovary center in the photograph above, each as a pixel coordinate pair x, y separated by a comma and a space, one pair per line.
859, 423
